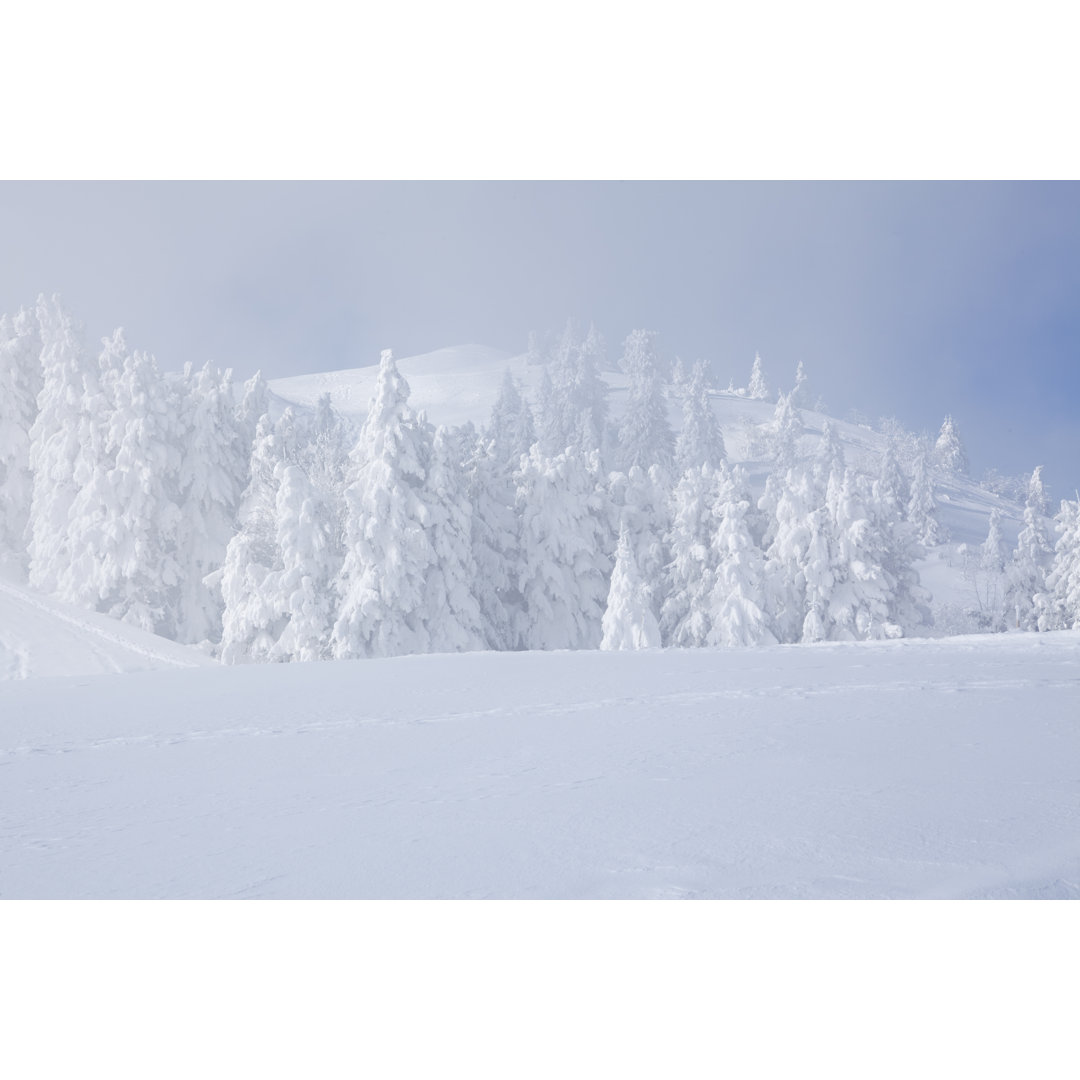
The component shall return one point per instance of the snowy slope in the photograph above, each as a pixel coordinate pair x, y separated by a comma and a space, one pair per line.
892, 769
457, 385
41, 636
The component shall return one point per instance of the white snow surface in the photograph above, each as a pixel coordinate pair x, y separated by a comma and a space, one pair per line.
40, 636
899, 769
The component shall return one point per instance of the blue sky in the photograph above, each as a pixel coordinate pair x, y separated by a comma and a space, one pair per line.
910, 300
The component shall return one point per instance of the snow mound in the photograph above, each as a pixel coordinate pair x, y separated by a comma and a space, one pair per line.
40, 636
453, 385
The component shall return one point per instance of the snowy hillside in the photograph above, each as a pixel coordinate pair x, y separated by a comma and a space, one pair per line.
466, 499
872, 769
460, 385
40, 636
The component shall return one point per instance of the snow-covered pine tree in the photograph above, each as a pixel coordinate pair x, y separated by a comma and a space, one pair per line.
700, 441
949, 455
758, 388
309, 563
535, 351
639, 507
922, 505
1032, 558
20, 384
491, 493
1058, 606
254, 403
510, 429
452, 614
863, 600
736, 603
790, 501
784, 434
990, 584
691, 570
550, 421
629, 622
679, 379
584, 395
645, 436
255, 612
595, 349
54, 444
829, 458
140, 577
800, 396
213, 474
388, 550
893, 487
90, 568
562, 576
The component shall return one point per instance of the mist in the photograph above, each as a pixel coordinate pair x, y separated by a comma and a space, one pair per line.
909, 300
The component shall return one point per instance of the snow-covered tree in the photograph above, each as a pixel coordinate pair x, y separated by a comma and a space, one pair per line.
20, 384
536, 352
139, 577
691, 570
736, 603
551, 431
492, 493
306, 552
595, 349
867, 567
700, 441
254, 403
629, 622
645, 436
758, 388
255, 610
574, 406
790, 502
638, 502
949, 453
1031, 559
452, 614
1058, 606
212, 477
54, 444
388, 546
994, 553
800, 396
510, 428
829, 458
562, 576
784, 434
893, 487
81, 578
922, 505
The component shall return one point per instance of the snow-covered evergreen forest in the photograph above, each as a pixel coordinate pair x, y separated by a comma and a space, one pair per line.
215, 513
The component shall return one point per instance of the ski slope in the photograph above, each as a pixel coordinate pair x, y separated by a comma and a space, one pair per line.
40, 636
879, 769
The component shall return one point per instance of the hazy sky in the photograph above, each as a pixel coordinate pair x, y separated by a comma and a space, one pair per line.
910, 300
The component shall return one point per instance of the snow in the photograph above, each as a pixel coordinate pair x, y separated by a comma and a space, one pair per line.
453, 385
860, 770
40, 636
